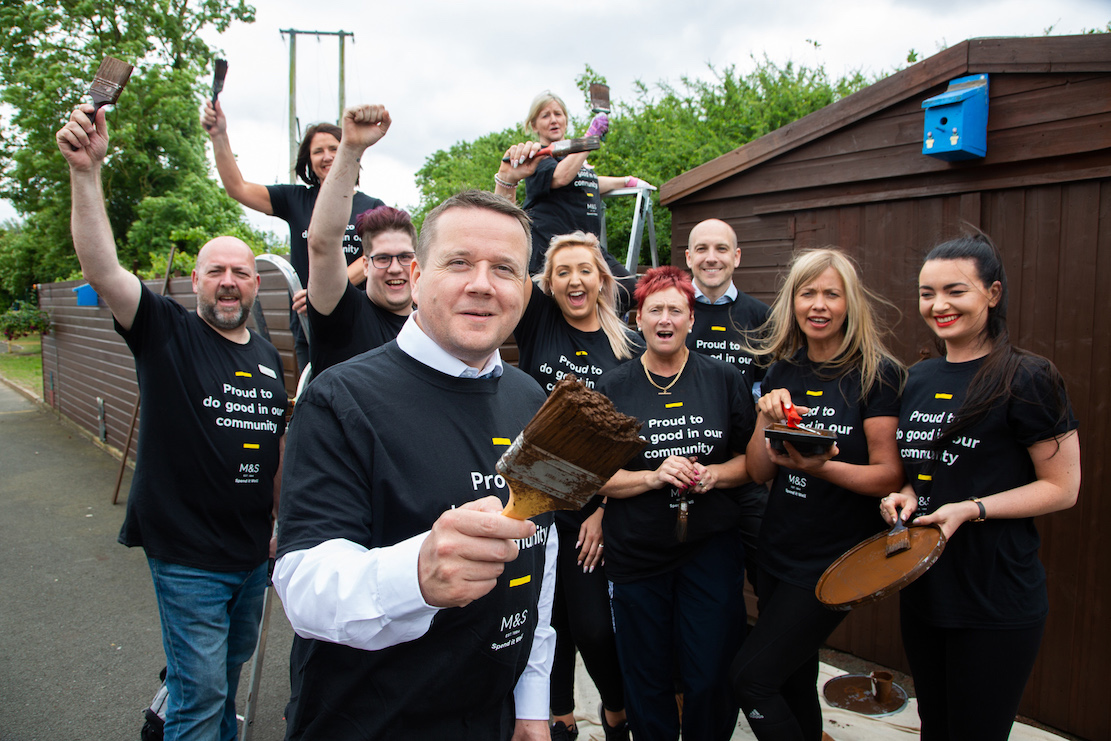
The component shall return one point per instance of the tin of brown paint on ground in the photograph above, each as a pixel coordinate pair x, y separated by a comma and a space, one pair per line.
572, 446
858, 693
865, 573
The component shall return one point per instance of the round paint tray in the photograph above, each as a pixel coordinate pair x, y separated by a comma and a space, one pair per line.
865, 573
854, 692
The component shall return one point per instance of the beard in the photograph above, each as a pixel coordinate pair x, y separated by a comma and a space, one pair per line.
224, 319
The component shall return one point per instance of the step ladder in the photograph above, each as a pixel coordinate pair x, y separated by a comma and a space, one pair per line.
642, 220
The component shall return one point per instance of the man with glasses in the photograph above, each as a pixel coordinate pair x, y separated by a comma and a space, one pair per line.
344, 321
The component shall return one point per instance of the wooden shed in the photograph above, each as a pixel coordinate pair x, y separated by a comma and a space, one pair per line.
853, 174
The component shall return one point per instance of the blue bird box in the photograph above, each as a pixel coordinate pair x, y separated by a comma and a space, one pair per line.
956, 125
86, 295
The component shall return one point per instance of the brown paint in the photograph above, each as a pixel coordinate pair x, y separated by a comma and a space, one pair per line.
866, 573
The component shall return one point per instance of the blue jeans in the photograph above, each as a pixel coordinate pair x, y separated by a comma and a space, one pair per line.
210, 623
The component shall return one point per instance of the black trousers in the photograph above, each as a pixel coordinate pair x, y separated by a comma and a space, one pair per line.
581, 617
969, 681
691, 617
775, 673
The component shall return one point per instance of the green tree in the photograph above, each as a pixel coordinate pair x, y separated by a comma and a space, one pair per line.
664, 131
49, 53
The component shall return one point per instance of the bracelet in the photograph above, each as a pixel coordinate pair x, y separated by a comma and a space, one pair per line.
983, 512
503, 183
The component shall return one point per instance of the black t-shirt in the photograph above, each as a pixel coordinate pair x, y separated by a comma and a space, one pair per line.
810, 522
294, 203
989, 573
718, 330
576, 206
378, 449
356, 325
707, 413
212, 415
550, 348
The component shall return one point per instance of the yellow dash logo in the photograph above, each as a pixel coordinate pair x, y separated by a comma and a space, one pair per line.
716, 328
925, 477
813, 393
673, 405
520, 580
943, 396
580, 352
250, 446
244, 374
502, 441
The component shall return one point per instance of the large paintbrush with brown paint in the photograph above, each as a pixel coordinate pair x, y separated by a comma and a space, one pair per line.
573, 445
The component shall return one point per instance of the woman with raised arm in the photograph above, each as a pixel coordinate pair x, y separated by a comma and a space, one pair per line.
292, 203
829, 362
562, 194
988, 441
671, 523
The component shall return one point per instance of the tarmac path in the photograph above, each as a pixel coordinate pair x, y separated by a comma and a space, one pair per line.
80, 644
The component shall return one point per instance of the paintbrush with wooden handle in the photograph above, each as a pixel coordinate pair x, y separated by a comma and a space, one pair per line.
576, 441
107, 85
568, 146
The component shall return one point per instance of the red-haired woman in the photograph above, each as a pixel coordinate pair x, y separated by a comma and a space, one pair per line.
671, 523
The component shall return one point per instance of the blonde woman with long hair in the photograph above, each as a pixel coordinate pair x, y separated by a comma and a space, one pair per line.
828, 360
570, 326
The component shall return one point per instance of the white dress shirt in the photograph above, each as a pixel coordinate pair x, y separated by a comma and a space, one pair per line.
370, 599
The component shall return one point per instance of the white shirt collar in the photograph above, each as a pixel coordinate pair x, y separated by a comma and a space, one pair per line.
728, 297
420, 347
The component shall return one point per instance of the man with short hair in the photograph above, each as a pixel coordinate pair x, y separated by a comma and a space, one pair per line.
420, 611
346, 321
722, 316
209, 456
722, 313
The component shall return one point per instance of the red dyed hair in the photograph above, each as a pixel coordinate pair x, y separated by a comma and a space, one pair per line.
661, 279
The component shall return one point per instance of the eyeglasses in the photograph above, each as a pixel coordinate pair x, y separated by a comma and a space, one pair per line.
383, 262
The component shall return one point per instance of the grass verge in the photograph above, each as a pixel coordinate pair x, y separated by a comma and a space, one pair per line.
23, 363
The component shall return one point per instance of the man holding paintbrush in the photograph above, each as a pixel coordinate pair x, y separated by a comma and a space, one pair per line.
420, 611
210, 435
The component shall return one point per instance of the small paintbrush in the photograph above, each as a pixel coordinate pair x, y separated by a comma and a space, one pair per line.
218, 74
572, 446
568, 146
898, 538
110, 78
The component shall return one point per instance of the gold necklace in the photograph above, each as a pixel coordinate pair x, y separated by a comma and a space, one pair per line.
663, 389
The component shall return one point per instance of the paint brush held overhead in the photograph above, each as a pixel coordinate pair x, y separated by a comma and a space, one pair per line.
218, 74
110, 78
568, 146
576, 441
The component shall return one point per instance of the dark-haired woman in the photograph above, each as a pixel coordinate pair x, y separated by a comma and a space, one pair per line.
988, 441
291, 203
570, 326
671, 522
830, 363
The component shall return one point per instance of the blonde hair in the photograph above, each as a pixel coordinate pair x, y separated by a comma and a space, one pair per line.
538, 103
606, 307
862, 345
